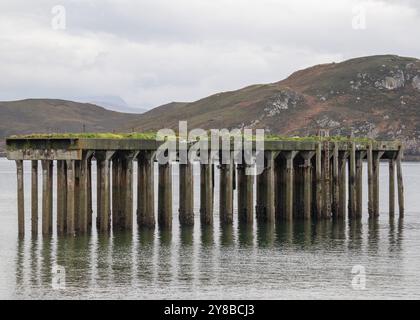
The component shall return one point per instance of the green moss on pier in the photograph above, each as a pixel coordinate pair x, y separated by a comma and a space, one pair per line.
152, 136
99, 135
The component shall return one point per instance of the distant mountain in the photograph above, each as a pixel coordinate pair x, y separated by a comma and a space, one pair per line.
114, 103
47, 115
377, 96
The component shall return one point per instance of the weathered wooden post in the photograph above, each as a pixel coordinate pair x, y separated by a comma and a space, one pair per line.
71, 209
352, 181
47, 190
245, 194
391, 186
206, 192
34, 197
400, 182
61, 196
226, 190
186, 194
289, 155
146, 189
20, 198
307, 183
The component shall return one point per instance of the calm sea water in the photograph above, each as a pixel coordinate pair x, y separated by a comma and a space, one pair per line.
289, 261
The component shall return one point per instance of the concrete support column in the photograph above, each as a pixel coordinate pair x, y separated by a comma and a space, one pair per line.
146, 190
307, 183
326, 185
342, 201
77, 169
359, 183
128, 187
391, 187
83, 192
370, 181
226, 192
318, 179
186, 194
352, 181
260, 206
122, 190
270, 205
20, 198
206, 193
103, 215
376, 162
89, 192
61, 196
335, 182
34, 197
71, 201
400, 183
245, 194
165, 196
289, 155
47, 196
116, 192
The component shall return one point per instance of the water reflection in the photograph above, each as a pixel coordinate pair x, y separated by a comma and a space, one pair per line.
122, 258
154, 262
245, 234
145, 260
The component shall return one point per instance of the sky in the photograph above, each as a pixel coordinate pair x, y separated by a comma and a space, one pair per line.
151, 52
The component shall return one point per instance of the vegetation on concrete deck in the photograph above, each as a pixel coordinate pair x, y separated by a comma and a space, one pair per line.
152, 136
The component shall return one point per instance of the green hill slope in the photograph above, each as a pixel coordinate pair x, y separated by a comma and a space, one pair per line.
378, 96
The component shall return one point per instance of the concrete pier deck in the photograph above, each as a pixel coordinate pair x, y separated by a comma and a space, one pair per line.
301, 179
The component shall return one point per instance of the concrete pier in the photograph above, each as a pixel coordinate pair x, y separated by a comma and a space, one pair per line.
299, 180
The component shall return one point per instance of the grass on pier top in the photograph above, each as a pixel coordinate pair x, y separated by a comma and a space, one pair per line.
152, 136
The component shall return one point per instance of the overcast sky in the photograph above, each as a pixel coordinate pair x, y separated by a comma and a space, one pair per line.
150, 52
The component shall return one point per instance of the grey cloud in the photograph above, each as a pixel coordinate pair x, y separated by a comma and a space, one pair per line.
152, 52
